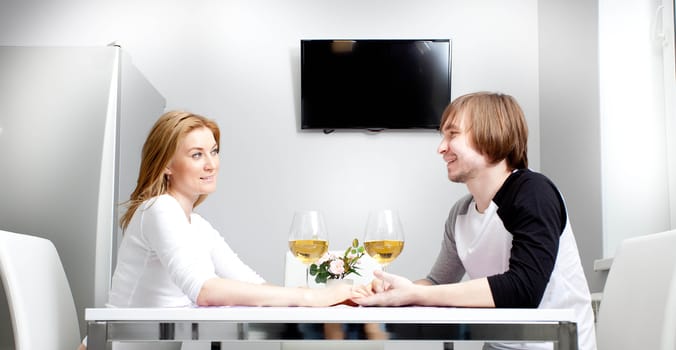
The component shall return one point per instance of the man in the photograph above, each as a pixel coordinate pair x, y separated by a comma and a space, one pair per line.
510, 234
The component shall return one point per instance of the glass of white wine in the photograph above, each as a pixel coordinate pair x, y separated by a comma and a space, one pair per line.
308, 238
384, 237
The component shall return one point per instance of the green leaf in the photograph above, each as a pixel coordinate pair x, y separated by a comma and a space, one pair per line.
320, 279
347, 251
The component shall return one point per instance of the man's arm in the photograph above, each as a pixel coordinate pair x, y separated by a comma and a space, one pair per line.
399, 291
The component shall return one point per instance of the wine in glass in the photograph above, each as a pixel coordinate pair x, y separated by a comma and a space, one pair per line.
384, 237
308, 238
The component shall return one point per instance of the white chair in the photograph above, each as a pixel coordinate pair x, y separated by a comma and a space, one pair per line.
638, 306
39, 298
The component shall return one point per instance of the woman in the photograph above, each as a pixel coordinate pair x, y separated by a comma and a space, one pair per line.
170, 256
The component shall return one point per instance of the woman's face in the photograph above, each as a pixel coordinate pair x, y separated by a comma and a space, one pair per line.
194, 168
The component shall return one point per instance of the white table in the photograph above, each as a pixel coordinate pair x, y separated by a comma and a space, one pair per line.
216, 324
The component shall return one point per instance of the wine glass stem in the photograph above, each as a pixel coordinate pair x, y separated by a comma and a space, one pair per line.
307, 276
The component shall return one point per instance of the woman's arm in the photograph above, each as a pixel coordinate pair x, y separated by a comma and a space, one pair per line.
195, 270
220, 291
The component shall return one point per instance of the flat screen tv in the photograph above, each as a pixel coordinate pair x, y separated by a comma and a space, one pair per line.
374, 84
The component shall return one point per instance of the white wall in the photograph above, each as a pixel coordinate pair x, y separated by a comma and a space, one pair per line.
238, 62
634, 122
668, 40
569, 118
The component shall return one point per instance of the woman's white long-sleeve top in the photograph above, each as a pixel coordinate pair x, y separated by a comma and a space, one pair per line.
164, 258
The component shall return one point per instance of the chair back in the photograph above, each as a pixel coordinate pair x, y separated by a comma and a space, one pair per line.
38, 295
638, 307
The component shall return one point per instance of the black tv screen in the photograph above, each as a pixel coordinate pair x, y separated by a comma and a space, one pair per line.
374, 84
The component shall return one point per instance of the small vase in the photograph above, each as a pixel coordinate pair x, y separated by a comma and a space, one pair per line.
332, 282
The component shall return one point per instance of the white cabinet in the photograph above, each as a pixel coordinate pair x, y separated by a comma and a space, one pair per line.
72, 123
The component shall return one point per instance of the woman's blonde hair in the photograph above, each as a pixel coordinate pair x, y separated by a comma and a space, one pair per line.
496, 124
158, 150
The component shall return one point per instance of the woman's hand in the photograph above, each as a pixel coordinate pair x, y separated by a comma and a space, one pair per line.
332, 295
378, 285
363, 290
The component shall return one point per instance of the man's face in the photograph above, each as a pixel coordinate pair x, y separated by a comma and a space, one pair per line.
463, 161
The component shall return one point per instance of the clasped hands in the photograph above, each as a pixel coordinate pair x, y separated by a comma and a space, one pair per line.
386, 289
